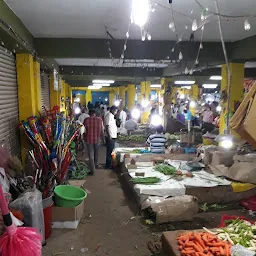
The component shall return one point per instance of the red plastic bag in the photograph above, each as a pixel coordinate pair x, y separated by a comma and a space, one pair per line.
250, 203
226, 217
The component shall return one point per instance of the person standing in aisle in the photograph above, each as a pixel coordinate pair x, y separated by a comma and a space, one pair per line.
111, 132
94, 131
122, 117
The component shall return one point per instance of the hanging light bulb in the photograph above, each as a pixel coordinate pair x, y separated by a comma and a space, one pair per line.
202, 28
127, 34
196, 62
186, 27
153, 10
125, 47
191, 72
186, 71
148, 37
140, 12
173, 49
247, 25
122, 56
194, 25
172, 26
201, 46
180, 39
143, 38
180, 56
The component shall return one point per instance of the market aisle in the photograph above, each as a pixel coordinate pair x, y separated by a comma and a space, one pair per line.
110, 228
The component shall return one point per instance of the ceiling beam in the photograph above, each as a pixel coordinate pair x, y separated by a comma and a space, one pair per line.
110, 71
136, 49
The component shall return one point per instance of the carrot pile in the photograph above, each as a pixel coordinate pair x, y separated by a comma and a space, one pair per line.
202, 244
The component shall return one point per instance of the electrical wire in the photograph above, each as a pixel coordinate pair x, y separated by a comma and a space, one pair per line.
224, 15
227, 65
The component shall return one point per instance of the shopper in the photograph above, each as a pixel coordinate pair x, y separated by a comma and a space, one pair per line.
207, 118
122, 117
94, 132
111, 133
157, 141
83, 116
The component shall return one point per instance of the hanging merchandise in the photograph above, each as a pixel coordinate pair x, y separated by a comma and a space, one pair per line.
51, 137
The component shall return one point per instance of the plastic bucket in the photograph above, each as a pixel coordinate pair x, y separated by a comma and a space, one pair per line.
68, 196
48, 221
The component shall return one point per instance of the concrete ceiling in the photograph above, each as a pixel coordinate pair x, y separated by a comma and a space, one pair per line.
89, 19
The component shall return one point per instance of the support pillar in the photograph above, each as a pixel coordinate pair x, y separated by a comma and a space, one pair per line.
131, 96
194, 96
63, 96
26, 94
122, 95
88, 95
54, 95
236, 92
145, 93
37, 83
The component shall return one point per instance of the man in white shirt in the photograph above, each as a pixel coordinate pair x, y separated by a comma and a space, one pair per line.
122, 117
83, 116
111, 133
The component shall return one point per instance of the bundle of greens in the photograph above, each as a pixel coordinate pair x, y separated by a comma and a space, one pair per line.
146, 181
165, 169
238, 232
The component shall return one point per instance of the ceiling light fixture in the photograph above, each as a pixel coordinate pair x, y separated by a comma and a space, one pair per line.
215, 77
184, 82
155, 85
103, 81
96, 84
186, 87
247, 25
94, 87
194, 25
210, 86
140, 12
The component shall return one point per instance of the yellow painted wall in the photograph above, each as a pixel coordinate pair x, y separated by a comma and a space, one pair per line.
131, 95
37, 84
237, 86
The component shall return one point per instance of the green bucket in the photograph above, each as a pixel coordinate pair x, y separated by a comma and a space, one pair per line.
68, 196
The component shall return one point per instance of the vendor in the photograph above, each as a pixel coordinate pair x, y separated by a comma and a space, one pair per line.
131, 125
207, 118
157, 141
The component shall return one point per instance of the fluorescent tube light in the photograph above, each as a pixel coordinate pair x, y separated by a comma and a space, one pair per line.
215, 77
103, 81
210, 86
94, 87
186, 87
155, 85
101, 85
184, 82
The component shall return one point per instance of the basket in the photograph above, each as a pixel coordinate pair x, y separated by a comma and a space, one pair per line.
68, 196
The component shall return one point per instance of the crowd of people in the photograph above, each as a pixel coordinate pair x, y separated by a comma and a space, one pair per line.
205, 116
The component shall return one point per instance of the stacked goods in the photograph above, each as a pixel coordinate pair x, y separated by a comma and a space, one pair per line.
238, 232
202, 244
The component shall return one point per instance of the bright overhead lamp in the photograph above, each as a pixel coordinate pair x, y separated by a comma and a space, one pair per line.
103, 81
184, 82
101, 84
155, 85
215, 77
140, 12
186, 87
94, 87
210, 86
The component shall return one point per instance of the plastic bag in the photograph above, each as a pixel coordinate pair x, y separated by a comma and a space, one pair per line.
239, 250
4, 155
30, 205
4, 181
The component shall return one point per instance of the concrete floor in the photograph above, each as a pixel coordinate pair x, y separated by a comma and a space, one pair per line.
106, 227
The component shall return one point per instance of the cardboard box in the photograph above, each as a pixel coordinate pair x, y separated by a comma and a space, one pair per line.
63, 217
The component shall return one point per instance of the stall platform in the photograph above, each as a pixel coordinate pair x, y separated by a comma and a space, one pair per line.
223, 194
169, 243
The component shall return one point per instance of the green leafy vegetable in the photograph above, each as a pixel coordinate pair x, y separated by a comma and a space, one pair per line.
147, 181
165, 169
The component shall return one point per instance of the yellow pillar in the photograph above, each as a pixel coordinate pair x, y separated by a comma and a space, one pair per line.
194, 93
122, 95
131, 96
26, 94
63, 97
145, 92
54, 95
37, 83
88, 96
236, 92
111, 97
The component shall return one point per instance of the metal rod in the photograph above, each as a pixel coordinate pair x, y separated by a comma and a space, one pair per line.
227, 65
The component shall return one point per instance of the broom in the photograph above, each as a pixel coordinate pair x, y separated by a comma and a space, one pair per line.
19, 241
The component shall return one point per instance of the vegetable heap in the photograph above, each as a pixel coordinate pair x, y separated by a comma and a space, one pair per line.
139, 138
202, 244
146, 181
238, 232
165, 169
